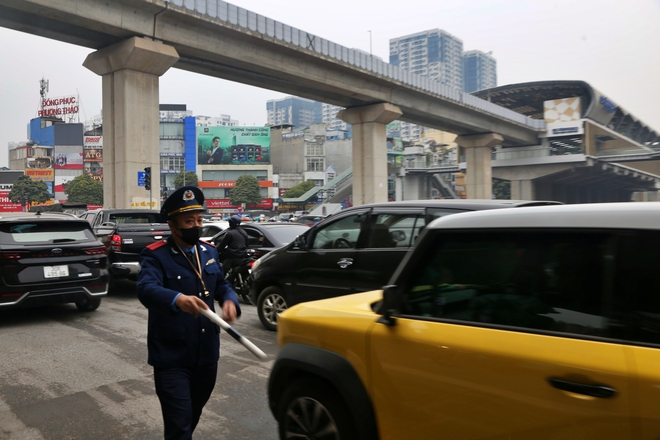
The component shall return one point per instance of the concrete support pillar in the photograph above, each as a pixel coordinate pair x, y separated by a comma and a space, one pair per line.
130, 71
478, 170
398, 187
522, 190
370, 150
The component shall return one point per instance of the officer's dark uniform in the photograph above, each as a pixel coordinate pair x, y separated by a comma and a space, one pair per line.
183, 349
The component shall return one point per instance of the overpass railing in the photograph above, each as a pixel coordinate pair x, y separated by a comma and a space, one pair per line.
254, 22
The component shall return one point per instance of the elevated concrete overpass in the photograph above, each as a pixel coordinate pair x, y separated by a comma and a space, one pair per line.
138, 40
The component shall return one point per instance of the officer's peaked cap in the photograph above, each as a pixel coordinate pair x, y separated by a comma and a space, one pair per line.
184, 199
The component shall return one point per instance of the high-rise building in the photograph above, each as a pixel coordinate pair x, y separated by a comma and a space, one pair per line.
330, 117
435, 54
479, 71
299, 112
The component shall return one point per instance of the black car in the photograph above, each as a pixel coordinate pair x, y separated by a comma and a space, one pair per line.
265, 237
309, 220
50, 258
355, 250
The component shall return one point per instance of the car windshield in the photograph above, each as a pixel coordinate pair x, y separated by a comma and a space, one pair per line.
44, 232
286, 234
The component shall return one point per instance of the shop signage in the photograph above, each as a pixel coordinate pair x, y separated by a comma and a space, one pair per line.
67, 105
226, 204
95, 155
40, 174
231, 184
93, 142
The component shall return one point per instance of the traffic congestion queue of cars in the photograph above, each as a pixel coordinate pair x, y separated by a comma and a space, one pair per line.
536, 322
354, 250
529, 323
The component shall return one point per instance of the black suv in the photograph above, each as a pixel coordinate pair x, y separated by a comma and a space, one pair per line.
355, 250
50, 258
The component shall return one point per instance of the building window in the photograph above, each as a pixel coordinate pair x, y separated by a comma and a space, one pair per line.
315, 164
172, 163
313, 149
171, 130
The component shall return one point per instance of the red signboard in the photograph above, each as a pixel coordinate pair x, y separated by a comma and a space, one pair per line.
8, 206
231, 184
226, 204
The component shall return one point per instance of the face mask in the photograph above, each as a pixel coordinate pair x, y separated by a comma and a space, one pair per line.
191, 235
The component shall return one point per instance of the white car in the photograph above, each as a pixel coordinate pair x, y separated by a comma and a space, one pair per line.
211, 228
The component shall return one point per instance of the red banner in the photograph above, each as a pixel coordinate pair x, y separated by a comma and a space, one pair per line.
226, 204
230, 184
8, 206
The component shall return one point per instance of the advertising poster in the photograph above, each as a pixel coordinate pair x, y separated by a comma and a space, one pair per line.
60, 181
94, 169
7, 205
68, 161
233, 145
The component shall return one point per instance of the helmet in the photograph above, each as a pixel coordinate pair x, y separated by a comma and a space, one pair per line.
234, 221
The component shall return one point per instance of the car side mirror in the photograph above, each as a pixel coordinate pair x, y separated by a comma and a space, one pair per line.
300, 242
390, 306
104, 230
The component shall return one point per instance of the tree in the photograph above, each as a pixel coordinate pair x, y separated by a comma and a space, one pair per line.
246, 190
299, 189
186, 178
84, 189
26, 190
501, 189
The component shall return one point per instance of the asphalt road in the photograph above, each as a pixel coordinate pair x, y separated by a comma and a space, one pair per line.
71, 375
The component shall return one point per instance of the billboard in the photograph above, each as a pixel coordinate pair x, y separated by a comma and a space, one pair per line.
69, 157
40, 174
233, 145
94, 169
7, 205
93, 142
68, 161
562, 110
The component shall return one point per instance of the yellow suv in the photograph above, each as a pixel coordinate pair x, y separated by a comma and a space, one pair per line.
533, 323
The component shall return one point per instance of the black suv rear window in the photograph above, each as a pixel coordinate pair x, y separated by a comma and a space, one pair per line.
44, 232
129, 218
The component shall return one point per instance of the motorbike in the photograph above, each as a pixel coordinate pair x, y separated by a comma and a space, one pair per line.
239, 276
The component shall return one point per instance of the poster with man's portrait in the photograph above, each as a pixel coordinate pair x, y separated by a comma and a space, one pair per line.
233, 145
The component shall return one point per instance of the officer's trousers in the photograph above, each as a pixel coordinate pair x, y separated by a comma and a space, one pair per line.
183, 392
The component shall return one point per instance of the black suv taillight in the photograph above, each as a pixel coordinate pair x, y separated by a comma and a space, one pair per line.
99, 250
115, 243
13, 255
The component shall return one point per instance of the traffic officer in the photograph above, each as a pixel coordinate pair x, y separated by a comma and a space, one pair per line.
179, 277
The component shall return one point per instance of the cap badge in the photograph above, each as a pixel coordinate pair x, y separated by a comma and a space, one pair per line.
188, 196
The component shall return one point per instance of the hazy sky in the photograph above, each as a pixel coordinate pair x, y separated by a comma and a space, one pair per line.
612, 45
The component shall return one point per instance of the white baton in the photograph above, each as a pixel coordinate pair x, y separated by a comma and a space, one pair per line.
234, 334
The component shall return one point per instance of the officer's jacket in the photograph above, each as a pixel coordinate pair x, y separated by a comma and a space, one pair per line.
177, 338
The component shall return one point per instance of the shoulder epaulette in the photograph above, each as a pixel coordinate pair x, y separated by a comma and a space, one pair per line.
207, 242
157, 244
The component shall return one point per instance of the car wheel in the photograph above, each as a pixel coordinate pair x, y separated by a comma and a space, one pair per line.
88, 304
271, 303
310, 408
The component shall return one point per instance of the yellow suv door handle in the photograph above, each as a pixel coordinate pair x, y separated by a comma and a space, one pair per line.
601, 391
345, 262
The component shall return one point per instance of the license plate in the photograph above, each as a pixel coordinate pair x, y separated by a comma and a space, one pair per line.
56, 271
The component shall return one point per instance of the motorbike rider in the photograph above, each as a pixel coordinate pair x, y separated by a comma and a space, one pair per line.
233, 247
